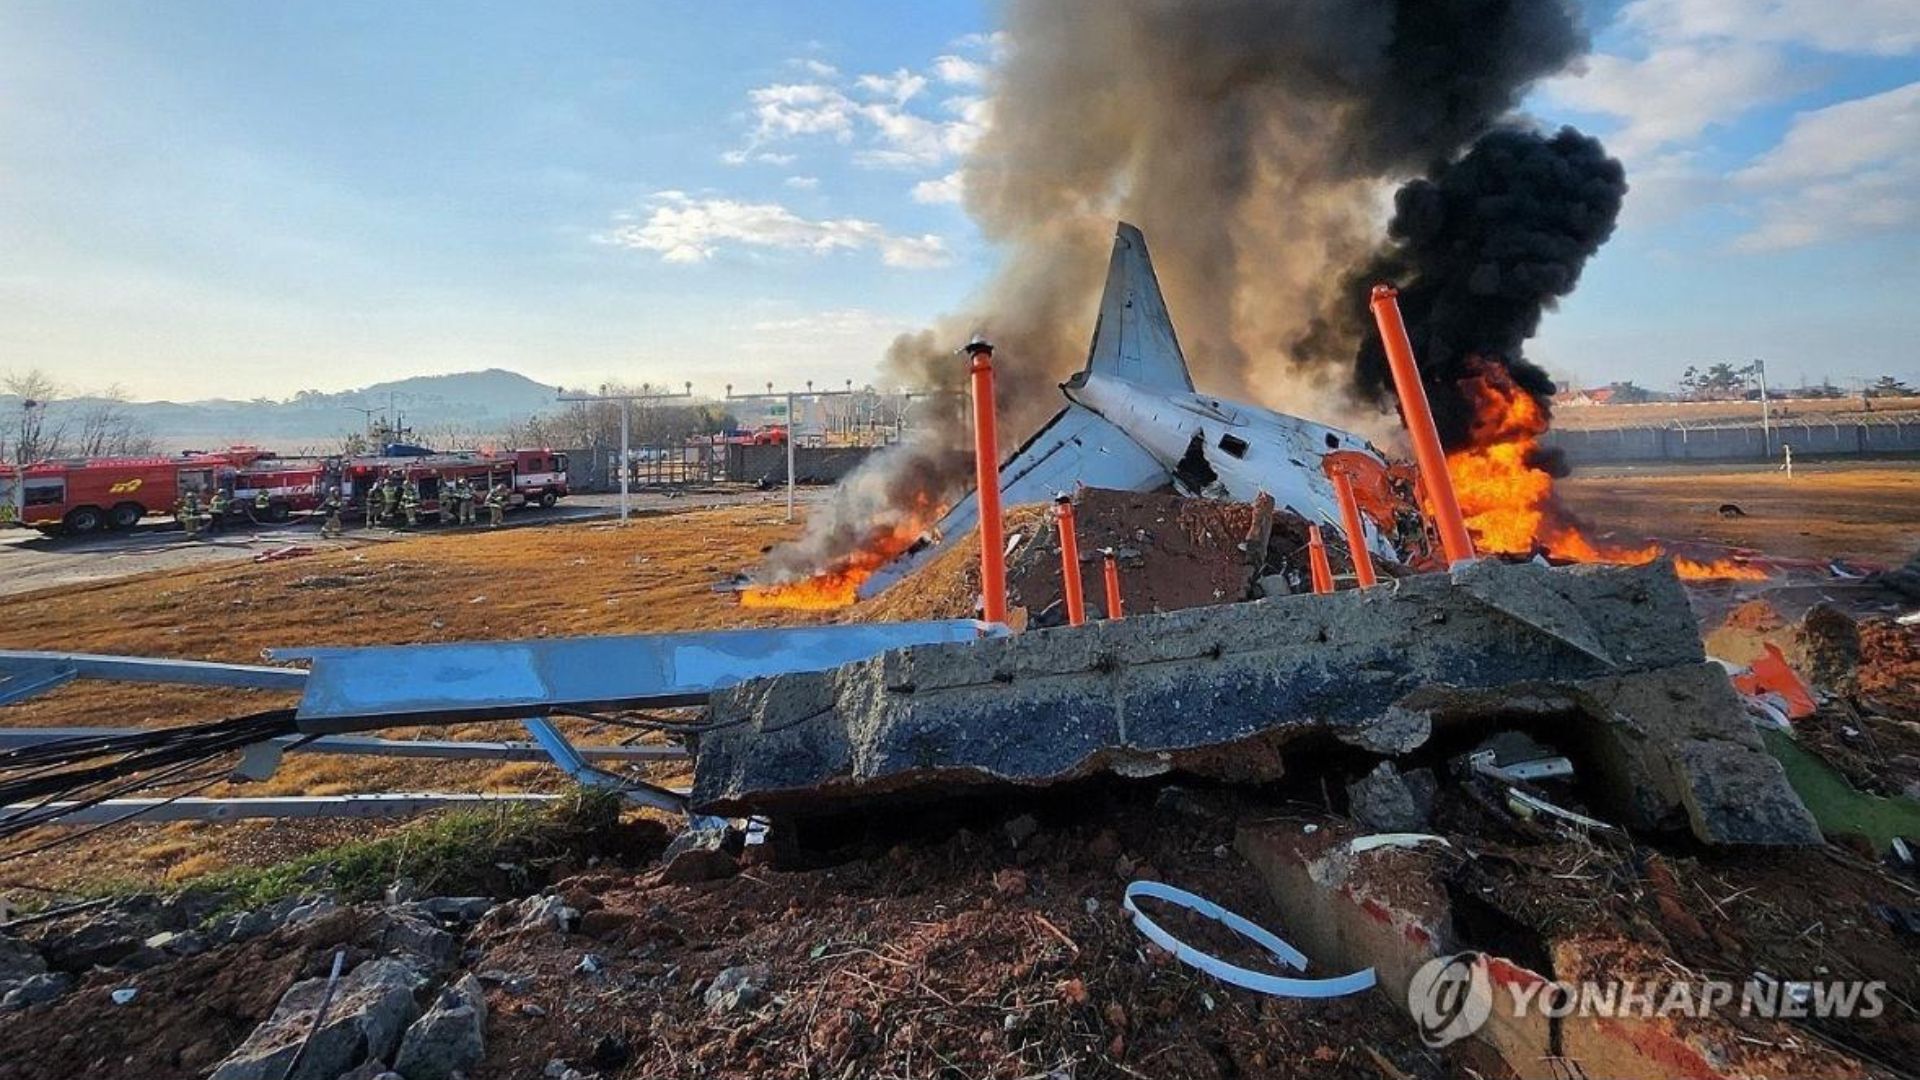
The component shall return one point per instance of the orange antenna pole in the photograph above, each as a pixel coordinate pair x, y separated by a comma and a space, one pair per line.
1110, 560
1356, 533
986, 469
1317, 560
1070, 560
1427, 451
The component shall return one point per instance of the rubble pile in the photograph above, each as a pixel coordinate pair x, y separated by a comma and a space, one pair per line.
1174, 553
1604, 660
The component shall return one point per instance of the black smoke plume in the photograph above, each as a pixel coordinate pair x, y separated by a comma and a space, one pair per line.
1480, 248
1250, 140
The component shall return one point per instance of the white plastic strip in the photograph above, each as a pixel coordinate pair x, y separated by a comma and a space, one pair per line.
1277, 985
1362, 844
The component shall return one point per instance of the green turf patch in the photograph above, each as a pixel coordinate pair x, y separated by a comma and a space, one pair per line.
494, 852
1836, 805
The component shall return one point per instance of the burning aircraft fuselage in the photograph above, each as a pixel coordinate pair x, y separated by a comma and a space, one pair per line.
1134, 422
1225, 449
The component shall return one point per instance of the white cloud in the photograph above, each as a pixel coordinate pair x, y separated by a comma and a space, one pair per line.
838, 322
788, 109
959, 71
802, 183
1846, 169
817, 68
1877, 27
947, 189
902, 86
764, 157
923, 252
995, 44
684, 229
1675, 92
882, 111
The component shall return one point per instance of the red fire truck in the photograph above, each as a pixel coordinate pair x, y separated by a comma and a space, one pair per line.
533, 477
293, 485
84, 495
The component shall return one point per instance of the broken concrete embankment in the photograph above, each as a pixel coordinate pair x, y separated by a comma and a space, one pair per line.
1605, 661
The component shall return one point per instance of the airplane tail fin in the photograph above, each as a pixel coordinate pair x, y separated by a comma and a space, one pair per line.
1133, 338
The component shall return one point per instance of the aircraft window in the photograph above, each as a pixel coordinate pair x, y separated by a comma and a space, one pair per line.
1333, 441
1233, 444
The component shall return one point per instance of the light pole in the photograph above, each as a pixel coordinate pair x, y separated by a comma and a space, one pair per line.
790, 398
626, 407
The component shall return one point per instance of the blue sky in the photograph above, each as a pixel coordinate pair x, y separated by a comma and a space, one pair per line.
236, 199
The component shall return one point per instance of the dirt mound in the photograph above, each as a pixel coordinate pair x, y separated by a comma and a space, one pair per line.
1174, 553
961, 956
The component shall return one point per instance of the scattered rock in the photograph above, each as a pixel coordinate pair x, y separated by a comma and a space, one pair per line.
450, 1037
417, 937
705, 854
546, 913
590, 964
37, 990
19, 960
1382, 800
455, 909
371, 1069
99, 942
610, 1054
371, 1008
737, 988
178, 942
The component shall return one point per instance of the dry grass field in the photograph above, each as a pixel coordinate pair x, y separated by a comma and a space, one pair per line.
1863, 512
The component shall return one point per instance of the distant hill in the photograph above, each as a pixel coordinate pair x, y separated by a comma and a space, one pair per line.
471, 402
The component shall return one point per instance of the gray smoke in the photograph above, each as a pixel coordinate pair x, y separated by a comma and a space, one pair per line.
1252, 140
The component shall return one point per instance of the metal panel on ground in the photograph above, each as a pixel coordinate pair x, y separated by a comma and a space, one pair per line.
352, 689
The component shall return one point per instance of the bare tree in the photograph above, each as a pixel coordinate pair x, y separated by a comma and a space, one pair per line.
37, 435
108, 429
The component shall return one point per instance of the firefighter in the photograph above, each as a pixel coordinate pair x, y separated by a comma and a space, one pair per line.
410, 502
463, 502
262, 505
390, 496
371, 503
217, 509
187, 510
496, 505
331, 507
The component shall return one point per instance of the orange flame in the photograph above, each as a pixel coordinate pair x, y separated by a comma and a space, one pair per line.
1509, 501
838, 585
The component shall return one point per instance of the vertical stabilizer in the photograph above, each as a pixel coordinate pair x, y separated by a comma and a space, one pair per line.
1133, 338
